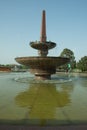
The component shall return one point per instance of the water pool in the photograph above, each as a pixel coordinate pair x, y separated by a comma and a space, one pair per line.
43, 103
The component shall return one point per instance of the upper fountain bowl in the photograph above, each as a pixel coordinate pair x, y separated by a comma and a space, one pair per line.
42, 45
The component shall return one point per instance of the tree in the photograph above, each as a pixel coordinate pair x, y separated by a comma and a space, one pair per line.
82, 64
69, 54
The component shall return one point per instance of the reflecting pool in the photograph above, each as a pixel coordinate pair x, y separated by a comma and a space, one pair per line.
62, 100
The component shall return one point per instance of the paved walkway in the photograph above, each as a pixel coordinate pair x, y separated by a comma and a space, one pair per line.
13, 127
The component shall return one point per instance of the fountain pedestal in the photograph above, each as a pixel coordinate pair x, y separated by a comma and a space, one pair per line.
42, 76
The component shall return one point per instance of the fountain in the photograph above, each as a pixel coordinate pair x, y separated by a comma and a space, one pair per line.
42, 66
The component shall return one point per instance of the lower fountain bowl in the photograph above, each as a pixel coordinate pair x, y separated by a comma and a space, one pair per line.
42, 67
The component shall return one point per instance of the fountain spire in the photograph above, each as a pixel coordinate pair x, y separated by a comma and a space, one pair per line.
43, 28
43, 45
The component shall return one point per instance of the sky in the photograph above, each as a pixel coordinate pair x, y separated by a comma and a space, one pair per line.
20, 23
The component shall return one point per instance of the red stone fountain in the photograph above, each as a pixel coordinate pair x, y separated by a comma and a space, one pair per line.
42, 65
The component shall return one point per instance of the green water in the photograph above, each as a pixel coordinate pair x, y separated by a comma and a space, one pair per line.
49, 103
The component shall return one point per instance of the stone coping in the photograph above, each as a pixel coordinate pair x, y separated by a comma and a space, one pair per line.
22, 127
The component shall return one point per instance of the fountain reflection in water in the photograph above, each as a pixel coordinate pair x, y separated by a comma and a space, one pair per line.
42, 100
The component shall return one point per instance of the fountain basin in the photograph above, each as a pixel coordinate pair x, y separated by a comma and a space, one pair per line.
42, 67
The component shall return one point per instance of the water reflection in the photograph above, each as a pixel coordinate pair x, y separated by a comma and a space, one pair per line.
42, 100
82, 81
43, 103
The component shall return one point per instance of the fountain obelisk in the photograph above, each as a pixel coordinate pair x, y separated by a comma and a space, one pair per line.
44, 51
43, 28
43, 45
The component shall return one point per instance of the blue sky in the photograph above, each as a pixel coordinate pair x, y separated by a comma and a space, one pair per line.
20, 22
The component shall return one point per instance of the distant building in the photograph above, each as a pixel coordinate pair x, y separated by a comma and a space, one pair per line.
5, 69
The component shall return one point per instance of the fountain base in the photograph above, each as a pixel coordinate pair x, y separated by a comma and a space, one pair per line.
43, 76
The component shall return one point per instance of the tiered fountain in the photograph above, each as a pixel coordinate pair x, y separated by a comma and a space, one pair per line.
42, 65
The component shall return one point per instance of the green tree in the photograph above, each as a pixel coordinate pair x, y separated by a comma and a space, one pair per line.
69, 54
82, 64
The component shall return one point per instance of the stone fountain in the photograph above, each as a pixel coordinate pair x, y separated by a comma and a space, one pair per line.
42, 66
